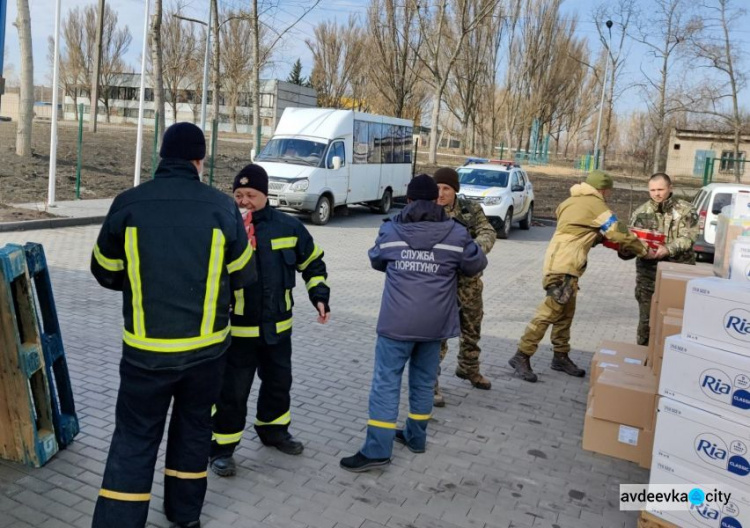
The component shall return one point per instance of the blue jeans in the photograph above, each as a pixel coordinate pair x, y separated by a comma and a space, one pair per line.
391, 357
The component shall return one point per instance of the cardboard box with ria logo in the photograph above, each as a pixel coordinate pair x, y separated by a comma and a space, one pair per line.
708, 378
706, 442
717, 314
732, 513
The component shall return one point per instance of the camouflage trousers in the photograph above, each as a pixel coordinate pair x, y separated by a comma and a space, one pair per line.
471, 312
644, 290
557, 310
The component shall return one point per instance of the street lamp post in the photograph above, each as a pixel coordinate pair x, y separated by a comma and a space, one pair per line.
205, 66
609, 24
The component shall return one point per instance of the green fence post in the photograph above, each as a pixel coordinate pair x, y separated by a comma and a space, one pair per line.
502, 149
708, 167
80, 151
214, 133
156, 143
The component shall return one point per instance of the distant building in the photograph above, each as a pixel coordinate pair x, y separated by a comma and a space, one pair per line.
689, 149
124, 94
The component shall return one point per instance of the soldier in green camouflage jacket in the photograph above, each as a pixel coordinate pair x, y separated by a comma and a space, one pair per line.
471, 313
675, 218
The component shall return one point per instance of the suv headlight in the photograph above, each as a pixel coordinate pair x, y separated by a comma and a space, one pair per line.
492, 200
300, 185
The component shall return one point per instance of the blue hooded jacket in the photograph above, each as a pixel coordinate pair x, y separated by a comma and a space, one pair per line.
421, 251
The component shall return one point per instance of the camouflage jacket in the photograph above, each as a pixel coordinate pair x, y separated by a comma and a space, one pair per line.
675, 218
471, 215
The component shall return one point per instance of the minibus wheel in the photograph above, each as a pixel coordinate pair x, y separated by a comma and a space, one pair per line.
386, 202
322, 213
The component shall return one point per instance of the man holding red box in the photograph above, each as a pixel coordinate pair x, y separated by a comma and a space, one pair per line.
676, 222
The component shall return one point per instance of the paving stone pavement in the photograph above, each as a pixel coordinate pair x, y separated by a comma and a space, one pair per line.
508, 457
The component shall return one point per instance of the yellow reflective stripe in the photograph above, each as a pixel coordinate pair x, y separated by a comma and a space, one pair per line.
382, 425
242, 260
283, 326
239, 302
314, 281
213, 410
224, 439
184, 474
420, 416
283, 243
246, 331
174, 345
288, 299
134, 275
284, 419
107, 263
318, 251
213, 276
127, 497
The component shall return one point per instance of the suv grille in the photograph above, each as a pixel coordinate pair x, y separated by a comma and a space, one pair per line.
276, 186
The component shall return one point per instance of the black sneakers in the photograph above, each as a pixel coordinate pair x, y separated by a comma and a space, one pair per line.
359, 463
520, 362
401, 439
564, 364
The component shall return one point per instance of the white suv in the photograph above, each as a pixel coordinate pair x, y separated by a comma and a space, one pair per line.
708, 204
502, 188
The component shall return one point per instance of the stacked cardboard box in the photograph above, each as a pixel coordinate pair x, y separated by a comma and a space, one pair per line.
702, 432
621, 409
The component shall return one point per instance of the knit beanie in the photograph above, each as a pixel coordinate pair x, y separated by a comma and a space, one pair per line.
252, 176
600, 180
183, 141
447, 176
422, 187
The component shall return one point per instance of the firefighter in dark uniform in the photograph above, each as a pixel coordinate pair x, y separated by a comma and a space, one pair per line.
262, 325
177, 249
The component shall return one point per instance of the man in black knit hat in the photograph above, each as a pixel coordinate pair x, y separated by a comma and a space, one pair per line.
262, 325
176, 249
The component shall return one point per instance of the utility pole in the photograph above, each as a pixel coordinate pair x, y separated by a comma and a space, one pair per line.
97, 66
3, 6
256, 77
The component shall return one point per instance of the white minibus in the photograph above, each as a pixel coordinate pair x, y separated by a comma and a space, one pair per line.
320, 158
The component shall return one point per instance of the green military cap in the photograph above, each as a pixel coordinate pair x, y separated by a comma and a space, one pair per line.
600, 180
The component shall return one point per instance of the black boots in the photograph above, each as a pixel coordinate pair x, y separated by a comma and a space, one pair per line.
522, 366
223, 465
286, 444
563, 363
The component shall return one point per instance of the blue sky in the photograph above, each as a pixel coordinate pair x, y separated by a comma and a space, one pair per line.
131, 12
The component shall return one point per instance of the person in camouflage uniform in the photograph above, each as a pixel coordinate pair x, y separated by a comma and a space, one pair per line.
471, 215
582, 221
678, 221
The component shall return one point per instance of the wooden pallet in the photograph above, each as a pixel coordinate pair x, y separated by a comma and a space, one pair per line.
26, 428
648, 520
64, 416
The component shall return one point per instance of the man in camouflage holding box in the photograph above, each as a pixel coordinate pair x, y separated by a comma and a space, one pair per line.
678, 221
471, 311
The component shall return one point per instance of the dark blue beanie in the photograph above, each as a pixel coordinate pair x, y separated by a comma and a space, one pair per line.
422, 187
183, 141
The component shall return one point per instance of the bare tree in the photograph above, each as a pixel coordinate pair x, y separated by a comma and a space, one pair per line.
337, 53
715, 46
115, 44
181, 57
26, 107
394, 67
157, 66
236, 61
666, 27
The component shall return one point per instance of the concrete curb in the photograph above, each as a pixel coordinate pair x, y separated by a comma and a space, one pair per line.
49, 223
